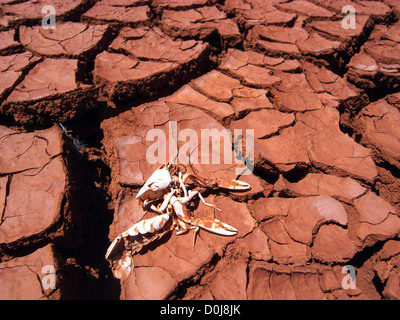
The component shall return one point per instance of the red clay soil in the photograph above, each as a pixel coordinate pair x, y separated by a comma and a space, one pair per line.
77, 104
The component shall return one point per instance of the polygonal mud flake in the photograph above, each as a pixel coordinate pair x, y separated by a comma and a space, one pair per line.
32, 10
152, 44
297, 283
315, 45
387, 267
306, 8
11, 70
377, 65
286, 35
145, 60
47, 78
258, 12
256, 245
7, 42
34, 183
378, 219
291, 90
148, 283
31, 277
187, 95
132, 13
333, 244
236, 59
335, 30
300, 216
324, 40
327, 83
284, 250
321, 184
379, 124
295, 94
50, 90
200, 23
376, 9
68, 39
306, 142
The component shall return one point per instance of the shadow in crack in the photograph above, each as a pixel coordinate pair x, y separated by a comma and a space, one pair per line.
85, 273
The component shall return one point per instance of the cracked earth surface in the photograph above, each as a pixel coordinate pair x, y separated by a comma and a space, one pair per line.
324, 105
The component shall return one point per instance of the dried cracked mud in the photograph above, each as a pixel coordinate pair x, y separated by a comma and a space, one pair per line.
77, 103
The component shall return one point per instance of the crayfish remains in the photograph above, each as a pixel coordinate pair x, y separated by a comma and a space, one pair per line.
167, 192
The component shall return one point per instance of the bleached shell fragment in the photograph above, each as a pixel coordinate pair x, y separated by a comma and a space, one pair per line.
149, 225
141, 227
133, 231
160, 221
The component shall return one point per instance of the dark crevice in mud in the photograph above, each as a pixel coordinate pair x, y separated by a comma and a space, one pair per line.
216, 42
86, 129
21, 77
365, 254
268, 176
387, 185
28, 245
108, 109
394, 171
379, 286
367, 278
182, 288
75, 14
348, 111
9, 121
380, 92
299, 172
85, 273
86, 62
353, 48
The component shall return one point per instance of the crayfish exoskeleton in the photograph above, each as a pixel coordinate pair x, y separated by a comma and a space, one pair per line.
166, 193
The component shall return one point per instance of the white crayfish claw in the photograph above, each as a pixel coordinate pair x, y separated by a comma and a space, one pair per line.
157, 184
